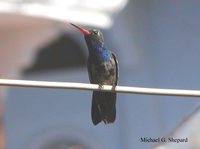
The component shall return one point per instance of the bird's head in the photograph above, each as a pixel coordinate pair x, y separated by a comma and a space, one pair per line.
91, 36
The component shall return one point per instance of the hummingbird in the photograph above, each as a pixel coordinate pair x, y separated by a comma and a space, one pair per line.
103, 69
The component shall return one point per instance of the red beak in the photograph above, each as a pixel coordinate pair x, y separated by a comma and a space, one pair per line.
82, 30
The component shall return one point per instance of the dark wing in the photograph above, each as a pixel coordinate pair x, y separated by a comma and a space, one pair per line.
117, 67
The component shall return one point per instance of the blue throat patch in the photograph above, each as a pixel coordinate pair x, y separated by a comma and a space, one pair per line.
104, 54
101, 49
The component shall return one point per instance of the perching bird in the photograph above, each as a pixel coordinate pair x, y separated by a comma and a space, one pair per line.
103, 70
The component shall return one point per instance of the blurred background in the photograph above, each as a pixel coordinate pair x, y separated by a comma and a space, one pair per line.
157, 45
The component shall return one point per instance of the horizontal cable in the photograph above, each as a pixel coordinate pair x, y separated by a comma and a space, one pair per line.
85, 86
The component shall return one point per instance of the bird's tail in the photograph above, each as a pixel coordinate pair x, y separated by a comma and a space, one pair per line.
103, 107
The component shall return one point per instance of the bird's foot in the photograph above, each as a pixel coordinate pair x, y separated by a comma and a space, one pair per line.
113, 87
100, 86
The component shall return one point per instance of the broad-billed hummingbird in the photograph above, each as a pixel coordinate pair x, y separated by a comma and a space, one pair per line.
103, 70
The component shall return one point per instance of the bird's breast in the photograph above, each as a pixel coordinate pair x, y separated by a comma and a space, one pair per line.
101, 71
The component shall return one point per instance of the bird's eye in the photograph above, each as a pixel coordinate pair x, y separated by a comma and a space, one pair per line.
97, 33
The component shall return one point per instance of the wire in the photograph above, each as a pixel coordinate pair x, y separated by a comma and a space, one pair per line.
85, 86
